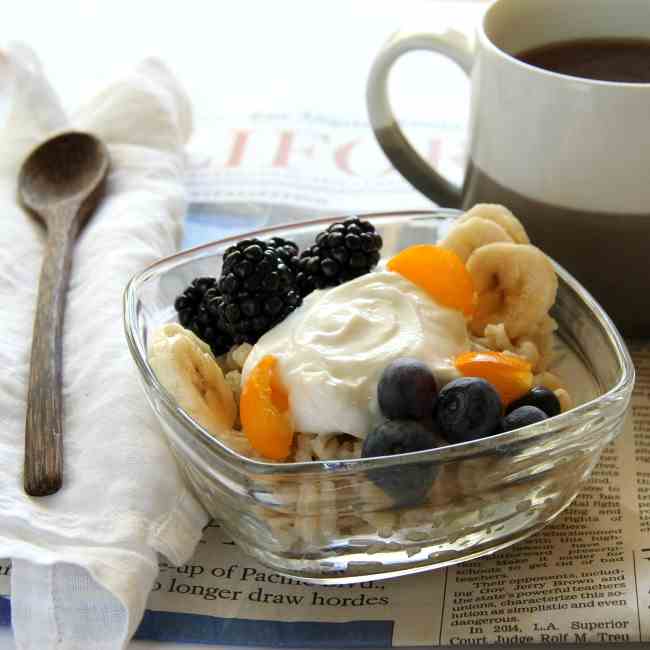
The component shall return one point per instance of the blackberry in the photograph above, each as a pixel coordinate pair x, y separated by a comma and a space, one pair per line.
287, 249
257, 286
288, 252
346, 250
196, 308
187, 304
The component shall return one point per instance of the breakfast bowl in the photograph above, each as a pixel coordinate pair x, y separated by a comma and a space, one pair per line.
329, 521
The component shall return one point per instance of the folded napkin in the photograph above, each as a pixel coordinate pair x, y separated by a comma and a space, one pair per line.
84, 560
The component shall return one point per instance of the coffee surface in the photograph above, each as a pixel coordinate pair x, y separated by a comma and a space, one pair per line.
604, 59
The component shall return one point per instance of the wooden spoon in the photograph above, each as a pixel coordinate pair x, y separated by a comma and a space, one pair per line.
60, 182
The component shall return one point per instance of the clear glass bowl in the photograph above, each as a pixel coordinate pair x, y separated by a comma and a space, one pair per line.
326, 521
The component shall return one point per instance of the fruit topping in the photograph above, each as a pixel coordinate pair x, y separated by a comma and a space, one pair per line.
258, 289
186, 368
407, 390
440, 272
264, 411
288, 250
516, 285
468, 408
346, 250
196, 312
510, 375
541, 397
522, 417
499, 215
408, 483
471, 234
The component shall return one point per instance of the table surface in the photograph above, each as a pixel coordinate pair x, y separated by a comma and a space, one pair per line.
236, 57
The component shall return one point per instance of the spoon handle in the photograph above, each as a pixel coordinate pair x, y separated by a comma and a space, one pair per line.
43, 425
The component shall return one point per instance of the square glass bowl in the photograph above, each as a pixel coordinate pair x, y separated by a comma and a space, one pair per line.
325, 521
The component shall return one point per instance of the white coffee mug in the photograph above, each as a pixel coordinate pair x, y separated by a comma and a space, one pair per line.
569, 156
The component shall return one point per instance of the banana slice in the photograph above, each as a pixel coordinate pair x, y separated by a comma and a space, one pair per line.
470, 234
549, 380
500, 215
566, 403
516, 286
186, 367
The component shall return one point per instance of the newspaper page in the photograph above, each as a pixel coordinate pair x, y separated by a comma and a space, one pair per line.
583, 579
277, 167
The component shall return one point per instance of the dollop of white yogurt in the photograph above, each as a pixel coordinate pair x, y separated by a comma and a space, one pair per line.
332, 350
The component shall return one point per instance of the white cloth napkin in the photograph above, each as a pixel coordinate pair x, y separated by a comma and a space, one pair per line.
84, 560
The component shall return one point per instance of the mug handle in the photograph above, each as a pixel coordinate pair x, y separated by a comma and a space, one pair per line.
392, 140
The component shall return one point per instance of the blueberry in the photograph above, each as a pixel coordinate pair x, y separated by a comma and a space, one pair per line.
468, 408
542, 398
404, 483
522, 417
407, 390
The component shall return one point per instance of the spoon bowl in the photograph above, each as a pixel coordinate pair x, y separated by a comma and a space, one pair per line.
67, 168
60, 182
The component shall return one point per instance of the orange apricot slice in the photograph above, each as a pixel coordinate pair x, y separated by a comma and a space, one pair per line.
511, 376
264, 411
440, 272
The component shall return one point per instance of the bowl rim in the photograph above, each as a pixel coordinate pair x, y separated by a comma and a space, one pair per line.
619, 393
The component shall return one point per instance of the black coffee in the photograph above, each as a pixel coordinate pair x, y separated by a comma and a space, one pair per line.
605, 59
